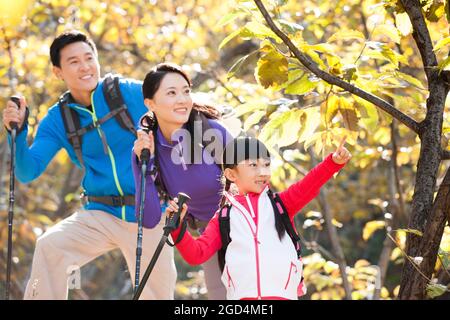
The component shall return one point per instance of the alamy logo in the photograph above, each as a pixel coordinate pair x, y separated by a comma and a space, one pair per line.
206, 147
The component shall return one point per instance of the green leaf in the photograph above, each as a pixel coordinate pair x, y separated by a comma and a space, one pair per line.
435, 290
230, 37
415, 82
253, 119
260, 31
347, 35
441, 43
302, 85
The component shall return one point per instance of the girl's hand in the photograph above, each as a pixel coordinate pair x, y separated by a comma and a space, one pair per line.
144, 141
173, 207
341, 155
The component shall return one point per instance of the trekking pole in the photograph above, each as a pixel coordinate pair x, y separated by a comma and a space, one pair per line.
171, 224
145, 157
13, 126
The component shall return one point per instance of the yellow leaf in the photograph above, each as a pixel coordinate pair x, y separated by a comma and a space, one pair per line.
387, 30
371, 227
347, 35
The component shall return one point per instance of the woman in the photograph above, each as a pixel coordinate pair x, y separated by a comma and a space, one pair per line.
181, 159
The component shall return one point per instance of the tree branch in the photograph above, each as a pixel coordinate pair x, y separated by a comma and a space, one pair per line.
311, 66
421, 36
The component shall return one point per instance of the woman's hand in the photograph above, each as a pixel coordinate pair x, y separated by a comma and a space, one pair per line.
173, 207
144, 141
341, 155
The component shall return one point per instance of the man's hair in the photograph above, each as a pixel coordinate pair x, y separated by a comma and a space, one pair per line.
63, 40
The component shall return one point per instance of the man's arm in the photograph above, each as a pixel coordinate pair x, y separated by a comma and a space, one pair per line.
31, 161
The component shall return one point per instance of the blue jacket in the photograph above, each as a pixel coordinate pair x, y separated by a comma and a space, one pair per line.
107, 173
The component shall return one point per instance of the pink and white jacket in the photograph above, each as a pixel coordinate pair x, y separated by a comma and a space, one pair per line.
258, 265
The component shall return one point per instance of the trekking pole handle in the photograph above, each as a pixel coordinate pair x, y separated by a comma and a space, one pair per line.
145, 153
13, 125
172, 222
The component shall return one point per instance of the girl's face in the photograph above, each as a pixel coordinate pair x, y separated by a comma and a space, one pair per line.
172, 103
250, 175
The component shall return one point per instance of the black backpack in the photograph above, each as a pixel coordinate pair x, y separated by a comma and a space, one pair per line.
278, 209
117, 107
74, 131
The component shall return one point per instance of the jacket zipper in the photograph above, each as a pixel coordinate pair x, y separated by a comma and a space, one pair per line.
108, 150
290, 272
255, 238
229, 279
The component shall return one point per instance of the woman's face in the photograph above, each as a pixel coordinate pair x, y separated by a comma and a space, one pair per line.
172, 103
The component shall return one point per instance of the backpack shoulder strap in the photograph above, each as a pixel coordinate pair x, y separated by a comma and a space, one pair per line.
224, 228
115, 101
72, 125
280, 209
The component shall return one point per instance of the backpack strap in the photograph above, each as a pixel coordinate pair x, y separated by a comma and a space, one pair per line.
224, 228
72, 125
116, 103
280, 209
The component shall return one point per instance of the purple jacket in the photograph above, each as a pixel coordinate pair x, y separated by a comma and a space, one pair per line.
200, 181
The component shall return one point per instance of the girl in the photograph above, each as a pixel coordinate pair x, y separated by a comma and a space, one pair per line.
177, 164
260, 261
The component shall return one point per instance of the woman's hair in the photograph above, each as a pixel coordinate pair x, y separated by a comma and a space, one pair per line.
241, 149
149, 122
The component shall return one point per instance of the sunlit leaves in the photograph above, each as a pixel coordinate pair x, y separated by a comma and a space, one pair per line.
347, 35
271, 69
282, 129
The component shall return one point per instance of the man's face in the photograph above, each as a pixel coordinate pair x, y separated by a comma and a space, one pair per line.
79, 67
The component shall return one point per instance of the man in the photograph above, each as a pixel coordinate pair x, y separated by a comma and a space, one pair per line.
107, 219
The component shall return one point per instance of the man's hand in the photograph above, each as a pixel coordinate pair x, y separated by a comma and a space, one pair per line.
14, 113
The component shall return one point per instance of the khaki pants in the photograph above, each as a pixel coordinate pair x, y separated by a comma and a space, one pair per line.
86, 235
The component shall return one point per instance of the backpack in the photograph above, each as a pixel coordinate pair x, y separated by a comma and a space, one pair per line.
278, 209
117, 107
74, 131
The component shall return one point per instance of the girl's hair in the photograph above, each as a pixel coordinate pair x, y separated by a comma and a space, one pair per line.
149, 122
241, 149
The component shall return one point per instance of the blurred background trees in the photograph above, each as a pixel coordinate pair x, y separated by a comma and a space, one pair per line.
238, 63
